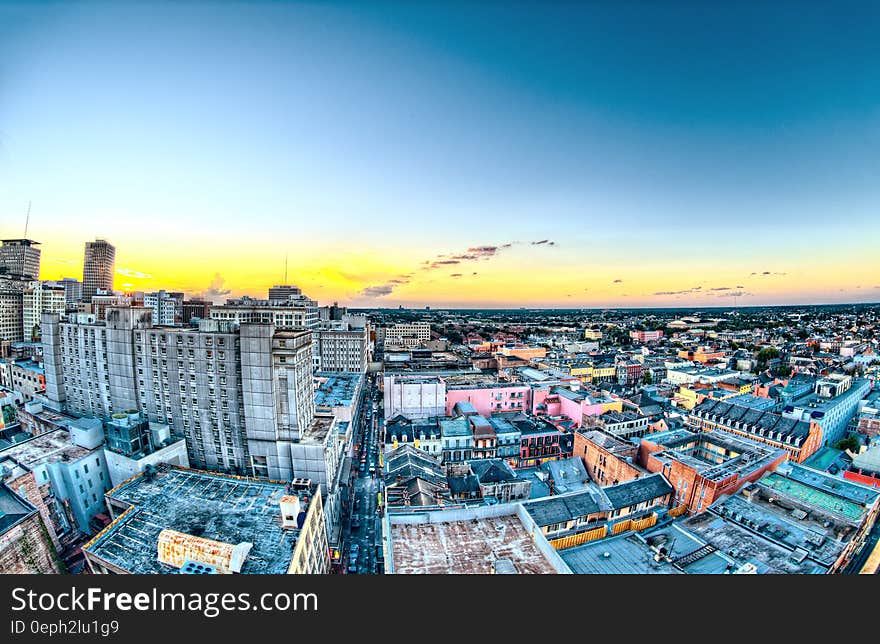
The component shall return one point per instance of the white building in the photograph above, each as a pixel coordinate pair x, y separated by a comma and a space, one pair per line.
408, 334
297, 312
414, 396
167, 307
39, 298
342, 349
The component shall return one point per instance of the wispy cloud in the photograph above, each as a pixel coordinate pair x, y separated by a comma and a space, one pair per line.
720, 288
127, 272
734, 294
617, 282
483, 252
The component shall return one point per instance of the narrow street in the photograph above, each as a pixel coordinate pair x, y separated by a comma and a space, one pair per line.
363, 526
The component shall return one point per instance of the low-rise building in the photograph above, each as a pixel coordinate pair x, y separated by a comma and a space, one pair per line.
799, 438
476, 540
704, 466
223, 523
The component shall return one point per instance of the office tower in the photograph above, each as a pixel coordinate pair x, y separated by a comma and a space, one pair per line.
39, 298
20, 258
98, 266
167, 307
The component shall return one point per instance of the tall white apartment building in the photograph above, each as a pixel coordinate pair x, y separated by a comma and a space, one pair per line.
39, 298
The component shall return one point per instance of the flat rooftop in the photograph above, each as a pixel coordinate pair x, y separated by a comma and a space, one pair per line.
465, 547
317, 432
50, 447
211, 506
336, 390
624, 554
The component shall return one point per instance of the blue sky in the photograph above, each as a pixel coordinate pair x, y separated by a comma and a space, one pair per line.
652, 142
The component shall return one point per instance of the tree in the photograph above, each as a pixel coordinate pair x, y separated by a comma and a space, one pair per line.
850, 443
647, 378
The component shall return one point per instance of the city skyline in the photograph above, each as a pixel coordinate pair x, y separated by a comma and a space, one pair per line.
424, 155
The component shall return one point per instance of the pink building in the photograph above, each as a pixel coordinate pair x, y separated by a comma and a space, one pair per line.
646, 336
490, 399
559, 401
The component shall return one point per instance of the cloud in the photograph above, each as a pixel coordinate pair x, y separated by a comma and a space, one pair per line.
734, 294
377, 291
455, 275
474, 273
739, 286
673, 292
216, 290
617, 282
766, 273
127, 272
59, 260
542, 242
720, 288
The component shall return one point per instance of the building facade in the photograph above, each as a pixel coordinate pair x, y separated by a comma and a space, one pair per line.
20, 258
99, 262
240, 396
167, 307
39, 298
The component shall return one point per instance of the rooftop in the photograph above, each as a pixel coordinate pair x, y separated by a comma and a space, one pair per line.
317, 432
50, 447
467, 546
222, 508
336, 389
624, 554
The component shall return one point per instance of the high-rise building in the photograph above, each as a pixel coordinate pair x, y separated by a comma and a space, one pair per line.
20, 258
10, 314
167, 307
241, 396
98, 266
342, 349
200, 309
39, 298
73, 289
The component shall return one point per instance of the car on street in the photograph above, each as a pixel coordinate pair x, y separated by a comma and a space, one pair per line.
355, 522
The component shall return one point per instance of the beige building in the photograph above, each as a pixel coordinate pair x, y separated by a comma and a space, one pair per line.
408, 335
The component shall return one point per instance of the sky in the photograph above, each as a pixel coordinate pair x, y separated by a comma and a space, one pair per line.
453, 154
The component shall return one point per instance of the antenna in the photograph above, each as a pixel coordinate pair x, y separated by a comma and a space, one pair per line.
27, 219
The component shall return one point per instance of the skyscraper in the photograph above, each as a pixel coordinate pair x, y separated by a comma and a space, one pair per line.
98, 266
20, 258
